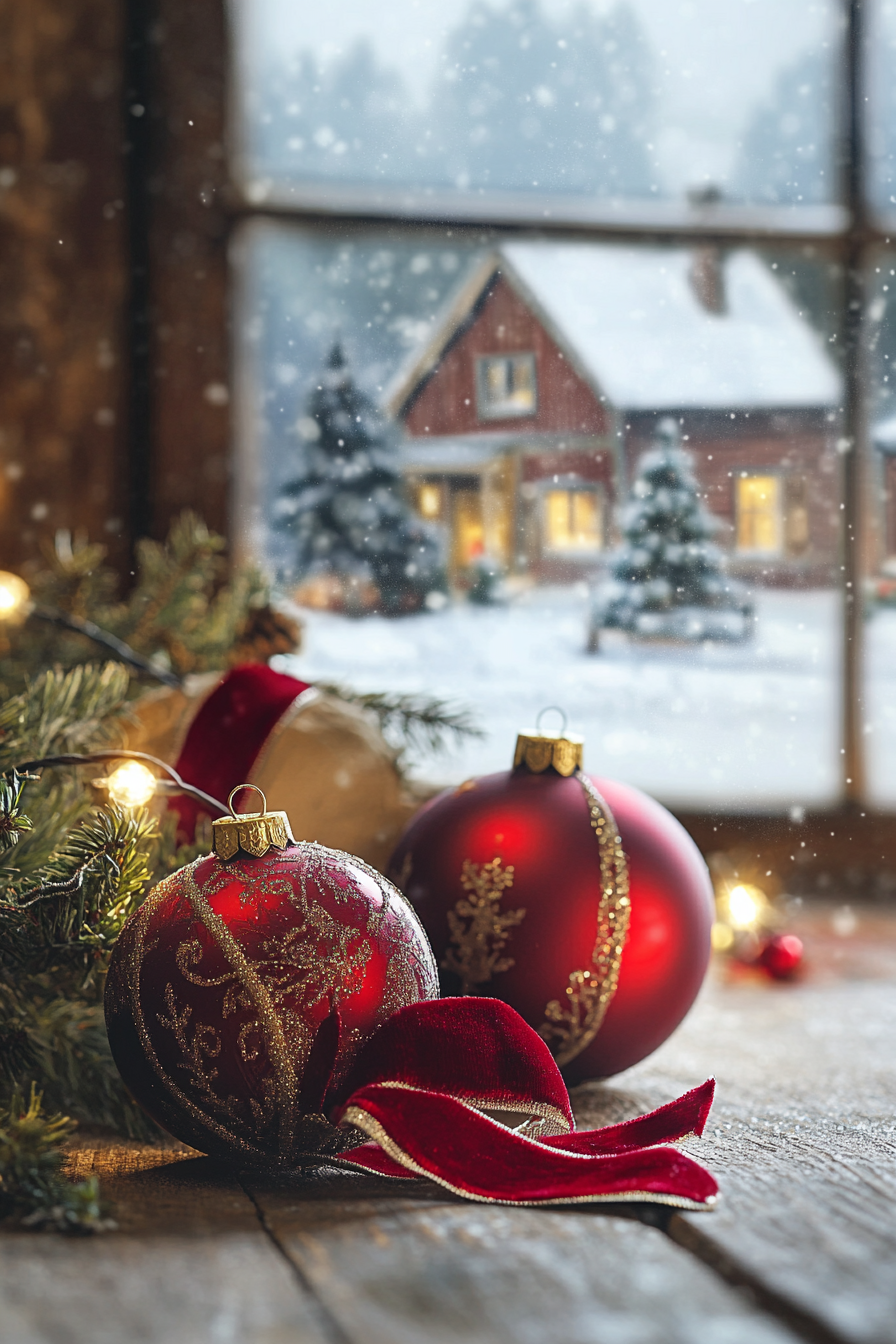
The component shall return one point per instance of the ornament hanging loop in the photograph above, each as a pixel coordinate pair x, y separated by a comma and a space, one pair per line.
553, 709
239, 788
537, 751
250, 833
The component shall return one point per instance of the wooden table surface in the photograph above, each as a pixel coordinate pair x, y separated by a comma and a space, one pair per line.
803, 1245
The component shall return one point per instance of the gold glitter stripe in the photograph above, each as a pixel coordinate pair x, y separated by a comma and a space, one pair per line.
277, 1048
362, 1120
133, 969
572, 1025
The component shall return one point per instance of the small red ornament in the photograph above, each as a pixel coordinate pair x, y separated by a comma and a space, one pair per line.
242, 989
527, 894
781, 956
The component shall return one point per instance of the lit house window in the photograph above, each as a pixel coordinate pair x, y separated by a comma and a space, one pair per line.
429, 501
573, 521
759, 515
505, 386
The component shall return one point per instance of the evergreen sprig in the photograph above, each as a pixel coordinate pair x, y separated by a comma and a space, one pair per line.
185, 611
84, 894
32, 1184
67, 883
412, 722
13, 822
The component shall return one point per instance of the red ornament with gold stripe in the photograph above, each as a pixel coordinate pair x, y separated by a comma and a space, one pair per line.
241, 991
580, 902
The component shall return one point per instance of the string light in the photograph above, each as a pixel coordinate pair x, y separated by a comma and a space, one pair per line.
745, 906
14, 596
743, 911
130, 785
16, 607
138, 794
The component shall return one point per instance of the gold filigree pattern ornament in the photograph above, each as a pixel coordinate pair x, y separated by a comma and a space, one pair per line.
242, 989
583, 904
479, 927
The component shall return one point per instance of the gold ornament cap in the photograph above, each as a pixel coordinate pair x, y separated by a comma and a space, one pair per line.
537, 751
252, 833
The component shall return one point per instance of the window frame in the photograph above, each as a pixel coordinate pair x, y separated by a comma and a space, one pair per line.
486, 410
849, 231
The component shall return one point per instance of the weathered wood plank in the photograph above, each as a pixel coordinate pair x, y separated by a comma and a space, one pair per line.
191, 1263
802, 1138
402, 1268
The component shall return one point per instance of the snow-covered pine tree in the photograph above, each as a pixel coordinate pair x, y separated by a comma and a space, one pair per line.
669, 577
347, 512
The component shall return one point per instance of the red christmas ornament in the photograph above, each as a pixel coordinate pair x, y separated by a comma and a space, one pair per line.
781, 956
527, 894
243, 988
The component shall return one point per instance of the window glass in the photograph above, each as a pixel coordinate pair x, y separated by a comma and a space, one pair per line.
656, 547
759, 520
505, 386
880, 105
600, 100
879, 708
573, 521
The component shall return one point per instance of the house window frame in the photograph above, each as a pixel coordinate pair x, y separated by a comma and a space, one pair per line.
489, 410
850, 231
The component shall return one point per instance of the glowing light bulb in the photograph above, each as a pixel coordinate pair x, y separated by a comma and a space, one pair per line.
14, 595
744, 906
131, 785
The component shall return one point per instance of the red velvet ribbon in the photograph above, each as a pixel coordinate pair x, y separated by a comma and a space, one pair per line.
427, 1087
230, 728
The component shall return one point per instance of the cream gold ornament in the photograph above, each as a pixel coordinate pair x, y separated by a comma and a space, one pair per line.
314, 756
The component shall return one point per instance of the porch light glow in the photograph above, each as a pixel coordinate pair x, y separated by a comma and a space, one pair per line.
430, 501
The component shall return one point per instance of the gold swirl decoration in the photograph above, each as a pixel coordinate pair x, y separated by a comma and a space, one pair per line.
200, 998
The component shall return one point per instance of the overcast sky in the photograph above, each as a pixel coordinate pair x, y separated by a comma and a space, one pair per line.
717, 59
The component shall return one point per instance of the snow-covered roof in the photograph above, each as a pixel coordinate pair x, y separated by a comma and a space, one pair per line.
630, 320
632, 316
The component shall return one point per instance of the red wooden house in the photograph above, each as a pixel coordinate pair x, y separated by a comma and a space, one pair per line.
526, 409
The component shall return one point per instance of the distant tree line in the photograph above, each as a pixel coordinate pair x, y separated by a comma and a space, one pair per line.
518, 102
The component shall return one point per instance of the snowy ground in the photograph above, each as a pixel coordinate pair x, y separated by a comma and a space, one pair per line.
744, 726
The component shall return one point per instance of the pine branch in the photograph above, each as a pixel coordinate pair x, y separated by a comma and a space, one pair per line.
63, 711
13, 822
184, 610
413, 722
67, 884
86, 891
32, 1186
62, 1042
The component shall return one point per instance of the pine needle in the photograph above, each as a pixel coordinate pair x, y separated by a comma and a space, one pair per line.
413, 722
